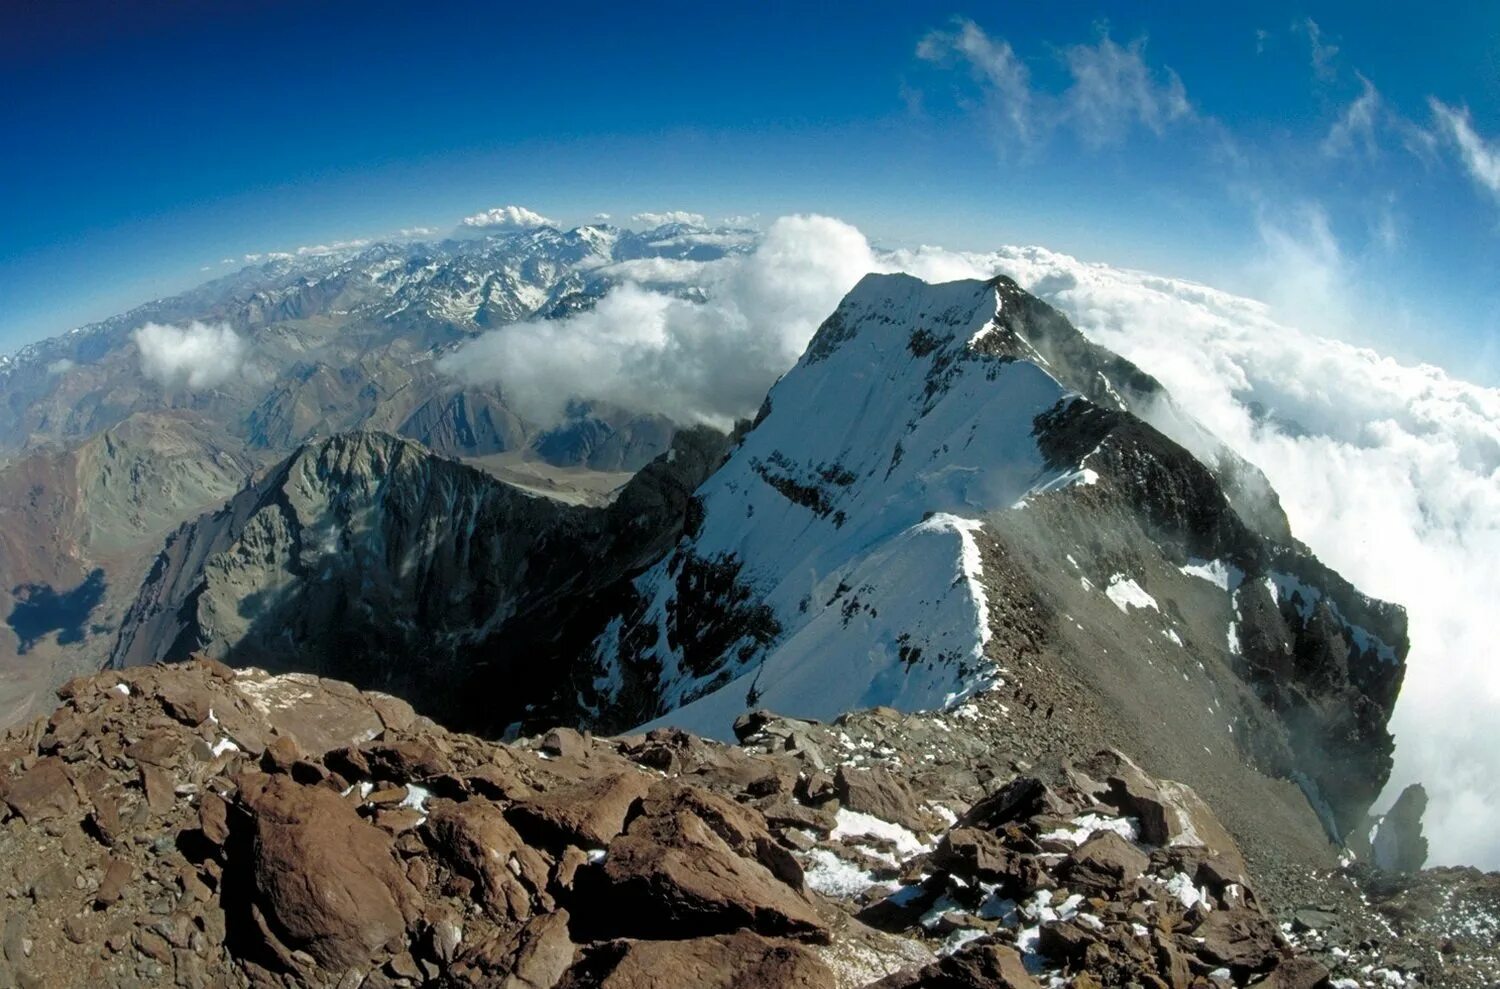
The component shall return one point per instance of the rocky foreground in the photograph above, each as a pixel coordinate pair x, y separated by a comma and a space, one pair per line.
195, 825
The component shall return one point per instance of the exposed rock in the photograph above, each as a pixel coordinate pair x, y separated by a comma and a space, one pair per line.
880, 794
42, 792
980, 966
742, 960
671, 871
475, 839
1399, 845
588, 814
326, 882
1104, 862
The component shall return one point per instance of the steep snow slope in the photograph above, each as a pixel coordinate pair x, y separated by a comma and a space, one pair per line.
836, 567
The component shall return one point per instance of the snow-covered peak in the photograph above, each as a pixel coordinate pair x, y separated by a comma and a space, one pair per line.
837, 563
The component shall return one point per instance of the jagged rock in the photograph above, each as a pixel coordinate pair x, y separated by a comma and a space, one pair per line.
42, 792
475, 840
984, 965
1241, 939
880, 794
1296, 973
738, 826
1021, 798
296, 878
1399, 845
326, 882
534, 957
742, 960
1104, 862
588, 814
981, 856
671, 874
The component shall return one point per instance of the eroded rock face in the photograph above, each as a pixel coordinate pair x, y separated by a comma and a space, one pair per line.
307, 834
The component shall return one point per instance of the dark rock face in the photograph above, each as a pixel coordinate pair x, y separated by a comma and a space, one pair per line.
1398, 845
360, 553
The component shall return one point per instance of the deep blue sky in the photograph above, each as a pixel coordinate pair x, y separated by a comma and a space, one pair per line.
145, 141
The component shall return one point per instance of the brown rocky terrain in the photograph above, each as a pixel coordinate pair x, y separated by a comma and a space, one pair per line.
195, 825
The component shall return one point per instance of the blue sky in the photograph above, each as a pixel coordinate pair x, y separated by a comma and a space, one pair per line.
1341, 161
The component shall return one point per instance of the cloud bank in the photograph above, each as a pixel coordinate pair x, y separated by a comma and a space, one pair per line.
1390, 472
507, 218
654, 351
196, 357
670, 216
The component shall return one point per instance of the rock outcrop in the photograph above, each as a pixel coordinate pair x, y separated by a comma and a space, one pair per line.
193, 825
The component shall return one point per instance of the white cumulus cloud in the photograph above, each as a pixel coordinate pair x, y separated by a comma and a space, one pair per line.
198, 356
507, 218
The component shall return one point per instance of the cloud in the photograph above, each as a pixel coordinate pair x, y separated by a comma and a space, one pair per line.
198, 356
1004, 80
654, 351
317, 250
1112, 90
1481, 158
670, 216
1355, 129
1113, 87
417, 231
60, 366
1321, 53
507, 218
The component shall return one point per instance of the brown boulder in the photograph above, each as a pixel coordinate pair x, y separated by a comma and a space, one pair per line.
404, 761
534, 957
1244, 940
1022, 798
42, 792
741, 960
1300, 972
976, 854
587, 814
982, 965
324, 881
880, 794
187, 703
671, 875
741, 828
1106, 862
475, 840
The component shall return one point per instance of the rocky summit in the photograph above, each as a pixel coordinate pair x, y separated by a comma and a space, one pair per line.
196, 825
